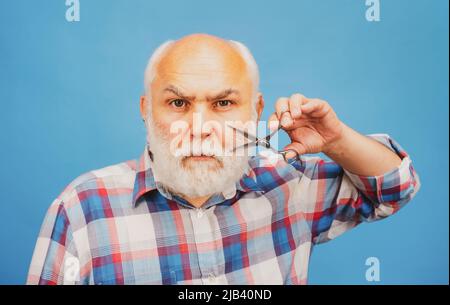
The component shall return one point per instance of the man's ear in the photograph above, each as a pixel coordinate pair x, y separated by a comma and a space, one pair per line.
143, 107
259, 105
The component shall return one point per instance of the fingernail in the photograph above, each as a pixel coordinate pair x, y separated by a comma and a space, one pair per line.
273, 125
286, 121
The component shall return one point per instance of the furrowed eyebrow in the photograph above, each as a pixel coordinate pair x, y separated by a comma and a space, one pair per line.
223, 94
178, 92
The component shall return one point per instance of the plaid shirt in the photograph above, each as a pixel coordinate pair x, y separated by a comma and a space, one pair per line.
116, 225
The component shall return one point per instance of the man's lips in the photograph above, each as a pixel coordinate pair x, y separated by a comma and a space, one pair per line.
200, 158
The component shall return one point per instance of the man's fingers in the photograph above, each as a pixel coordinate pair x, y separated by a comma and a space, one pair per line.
288, 110
310, 106
286, 120
274, 123
285, 109
281, 106
314, 107
294, 105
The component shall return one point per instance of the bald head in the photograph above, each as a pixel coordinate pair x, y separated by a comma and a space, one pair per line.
202, 53
202, 45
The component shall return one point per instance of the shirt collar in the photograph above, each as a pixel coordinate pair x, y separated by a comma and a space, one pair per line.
145, 180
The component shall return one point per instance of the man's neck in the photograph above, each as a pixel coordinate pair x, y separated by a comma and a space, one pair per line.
197, 201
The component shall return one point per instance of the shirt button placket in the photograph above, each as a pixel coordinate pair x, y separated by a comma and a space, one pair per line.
203, 234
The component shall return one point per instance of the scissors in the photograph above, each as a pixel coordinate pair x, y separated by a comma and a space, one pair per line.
265, 142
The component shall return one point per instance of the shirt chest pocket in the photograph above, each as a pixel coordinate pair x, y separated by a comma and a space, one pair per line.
128, 269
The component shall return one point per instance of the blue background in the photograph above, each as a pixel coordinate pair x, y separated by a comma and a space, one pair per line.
69, 96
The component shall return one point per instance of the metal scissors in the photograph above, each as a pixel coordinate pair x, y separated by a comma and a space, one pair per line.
265, 142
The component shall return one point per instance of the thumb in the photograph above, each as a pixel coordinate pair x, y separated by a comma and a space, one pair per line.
296, 146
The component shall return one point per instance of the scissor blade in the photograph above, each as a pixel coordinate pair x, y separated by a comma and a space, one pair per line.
245, 133
243, 146
268, 137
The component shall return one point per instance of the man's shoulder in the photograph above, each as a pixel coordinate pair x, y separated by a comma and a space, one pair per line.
112, 177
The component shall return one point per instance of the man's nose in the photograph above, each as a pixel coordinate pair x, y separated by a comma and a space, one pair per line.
201, 126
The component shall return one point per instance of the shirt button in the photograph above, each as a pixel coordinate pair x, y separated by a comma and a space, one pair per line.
199, 213
211, 278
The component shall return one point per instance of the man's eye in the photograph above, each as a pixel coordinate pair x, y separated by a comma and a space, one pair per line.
224, 103
178, 103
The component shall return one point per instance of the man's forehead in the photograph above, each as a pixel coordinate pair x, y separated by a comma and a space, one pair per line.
202, 60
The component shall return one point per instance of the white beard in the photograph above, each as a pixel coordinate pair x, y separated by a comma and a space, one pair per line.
184, 176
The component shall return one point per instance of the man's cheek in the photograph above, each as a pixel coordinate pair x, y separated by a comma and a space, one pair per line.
179, 136
228, 139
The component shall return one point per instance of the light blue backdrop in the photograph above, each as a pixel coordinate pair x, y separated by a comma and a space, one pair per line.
69, 95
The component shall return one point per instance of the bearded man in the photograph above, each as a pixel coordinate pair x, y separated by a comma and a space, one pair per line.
190, 212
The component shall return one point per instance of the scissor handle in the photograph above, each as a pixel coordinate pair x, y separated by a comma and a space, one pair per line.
285, 152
